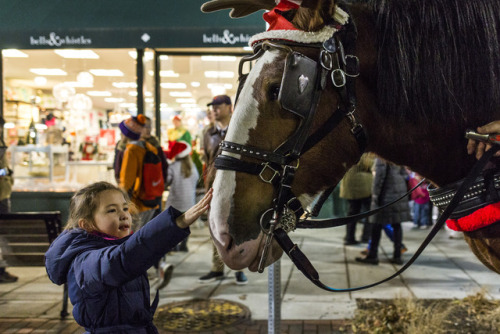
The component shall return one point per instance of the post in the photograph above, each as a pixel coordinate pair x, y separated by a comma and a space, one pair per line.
157, 96
1, 87
274, 297
139, 66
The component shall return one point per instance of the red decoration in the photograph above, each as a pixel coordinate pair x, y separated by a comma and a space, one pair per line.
480, 218
276, 20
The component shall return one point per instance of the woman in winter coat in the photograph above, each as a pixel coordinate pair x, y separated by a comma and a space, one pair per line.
389, 183
105, 265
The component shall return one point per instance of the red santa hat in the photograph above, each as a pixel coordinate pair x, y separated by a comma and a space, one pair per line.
178, 149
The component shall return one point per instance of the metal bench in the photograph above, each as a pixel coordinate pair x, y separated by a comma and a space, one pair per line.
28, 236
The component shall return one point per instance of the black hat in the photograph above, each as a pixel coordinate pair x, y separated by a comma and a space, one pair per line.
220, 99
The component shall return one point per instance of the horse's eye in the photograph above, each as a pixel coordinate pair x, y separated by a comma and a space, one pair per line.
274, 92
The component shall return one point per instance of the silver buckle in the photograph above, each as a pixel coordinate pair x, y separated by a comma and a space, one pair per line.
275, 172
338, 78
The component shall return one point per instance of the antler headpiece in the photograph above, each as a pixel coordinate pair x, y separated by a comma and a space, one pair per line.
279, 26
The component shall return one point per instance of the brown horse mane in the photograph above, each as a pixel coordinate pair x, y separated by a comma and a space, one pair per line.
428, 50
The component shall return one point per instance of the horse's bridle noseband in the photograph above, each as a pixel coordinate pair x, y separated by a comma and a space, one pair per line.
303, 81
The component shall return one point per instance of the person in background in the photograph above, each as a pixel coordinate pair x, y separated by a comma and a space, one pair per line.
178, 132
105, 264
182, 180
118, 158
131, 167
356, 188
222, 111
421, 202
389, 184
146, 136
6, 182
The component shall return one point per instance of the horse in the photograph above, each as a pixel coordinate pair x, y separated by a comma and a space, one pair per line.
406, 78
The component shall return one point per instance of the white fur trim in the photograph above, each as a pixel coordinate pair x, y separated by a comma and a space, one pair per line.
298, 36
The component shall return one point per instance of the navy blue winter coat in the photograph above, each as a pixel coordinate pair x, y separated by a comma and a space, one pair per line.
107, 279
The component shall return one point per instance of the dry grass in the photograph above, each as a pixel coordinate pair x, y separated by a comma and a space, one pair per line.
474, 314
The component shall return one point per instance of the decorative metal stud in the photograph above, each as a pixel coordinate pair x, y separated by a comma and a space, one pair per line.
303, 83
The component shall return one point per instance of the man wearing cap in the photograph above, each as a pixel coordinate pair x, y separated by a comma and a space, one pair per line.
222, 111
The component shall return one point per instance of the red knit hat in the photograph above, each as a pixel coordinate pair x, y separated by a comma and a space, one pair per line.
132, 127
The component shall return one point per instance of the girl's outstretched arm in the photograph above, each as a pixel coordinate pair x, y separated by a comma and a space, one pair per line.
190, 216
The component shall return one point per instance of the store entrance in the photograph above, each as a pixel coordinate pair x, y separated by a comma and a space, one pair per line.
62, 107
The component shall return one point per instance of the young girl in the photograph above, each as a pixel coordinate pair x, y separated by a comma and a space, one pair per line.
105, 265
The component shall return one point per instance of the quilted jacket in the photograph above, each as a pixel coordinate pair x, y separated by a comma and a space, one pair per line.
107, 279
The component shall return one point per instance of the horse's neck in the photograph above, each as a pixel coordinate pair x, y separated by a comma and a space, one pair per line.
434, 149
430, 150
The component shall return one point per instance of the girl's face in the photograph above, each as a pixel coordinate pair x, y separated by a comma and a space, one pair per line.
112, 216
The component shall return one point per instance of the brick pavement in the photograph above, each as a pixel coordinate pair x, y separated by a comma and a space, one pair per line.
56, 326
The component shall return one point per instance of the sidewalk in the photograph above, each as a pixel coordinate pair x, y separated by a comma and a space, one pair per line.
447, 269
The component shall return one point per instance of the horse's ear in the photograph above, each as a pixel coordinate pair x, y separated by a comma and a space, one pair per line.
239, 8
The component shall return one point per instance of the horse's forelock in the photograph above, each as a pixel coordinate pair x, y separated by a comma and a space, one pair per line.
438, 59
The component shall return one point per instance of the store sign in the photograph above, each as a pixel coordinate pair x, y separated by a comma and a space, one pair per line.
55, 40
226, 38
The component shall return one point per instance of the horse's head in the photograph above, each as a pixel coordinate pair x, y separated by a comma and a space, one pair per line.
290, 93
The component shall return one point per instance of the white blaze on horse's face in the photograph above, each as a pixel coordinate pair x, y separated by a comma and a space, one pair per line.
243, 120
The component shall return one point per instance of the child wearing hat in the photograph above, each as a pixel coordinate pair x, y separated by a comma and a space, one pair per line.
182, 180
129, 164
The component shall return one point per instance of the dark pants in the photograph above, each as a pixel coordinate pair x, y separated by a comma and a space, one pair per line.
4, 208
357, 206
377, 234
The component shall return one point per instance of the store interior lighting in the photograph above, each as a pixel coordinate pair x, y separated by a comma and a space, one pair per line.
219, 74
173, 85
166, 74
183, 75
218, 58
124, 84
99, 93
180, 94
48, 71
107, 73
13, 53
77, 54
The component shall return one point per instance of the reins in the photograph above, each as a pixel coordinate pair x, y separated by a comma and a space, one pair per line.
305, 266
336, 222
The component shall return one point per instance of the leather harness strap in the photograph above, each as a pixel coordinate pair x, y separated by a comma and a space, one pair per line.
306, 267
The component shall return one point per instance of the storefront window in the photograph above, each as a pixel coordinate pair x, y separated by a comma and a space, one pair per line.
75, 99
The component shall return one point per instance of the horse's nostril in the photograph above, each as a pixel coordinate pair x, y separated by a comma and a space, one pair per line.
230, 244
241, 251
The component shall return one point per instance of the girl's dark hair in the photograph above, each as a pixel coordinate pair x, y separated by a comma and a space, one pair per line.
84, 203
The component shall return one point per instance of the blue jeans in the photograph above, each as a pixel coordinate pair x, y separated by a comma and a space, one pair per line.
421, 214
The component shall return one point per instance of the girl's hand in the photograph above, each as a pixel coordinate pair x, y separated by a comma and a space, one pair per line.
478, 148
190, 216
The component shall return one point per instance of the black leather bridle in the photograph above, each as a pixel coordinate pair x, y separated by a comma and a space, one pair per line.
302, 84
